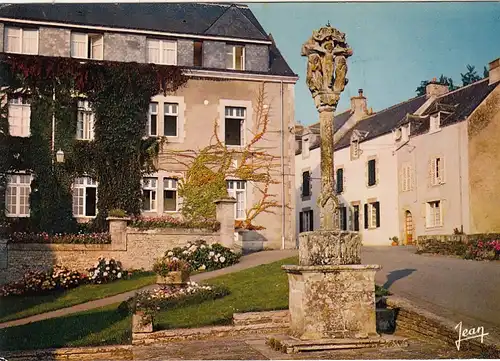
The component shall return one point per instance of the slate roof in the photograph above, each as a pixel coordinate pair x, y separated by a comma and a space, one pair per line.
189, 18
382, 122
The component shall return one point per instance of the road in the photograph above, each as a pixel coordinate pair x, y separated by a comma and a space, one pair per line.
457, 289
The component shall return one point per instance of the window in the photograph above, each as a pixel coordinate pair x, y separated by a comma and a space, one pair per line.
437, 171
162, 52
406, 178
19, 40
171, 111
306, 221
355, 217
152, 126
234, 125
343, 218
306, 184
19, 113
355, 149
84, 197
372, 215
84, 121
237, 189
340, 180
17, 195
434, 122
169, 195
198, 53
372, 177
433, 214
149, 190
235, 57
87, 46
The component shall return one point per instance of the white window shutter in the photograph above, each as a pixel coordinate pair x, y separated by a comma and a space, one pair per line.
30, 41
442, 171
25, 122
432, 172
79, 45
412, 179
153, 51
97, 47
12, 39
402, 179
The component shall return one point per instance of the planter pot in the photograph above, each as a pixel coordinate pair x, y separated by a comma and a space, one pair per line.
394, 243
141, 323
173, 278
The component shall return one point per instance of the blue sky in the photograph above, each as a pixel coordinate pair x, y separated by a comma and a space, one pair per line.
396, 45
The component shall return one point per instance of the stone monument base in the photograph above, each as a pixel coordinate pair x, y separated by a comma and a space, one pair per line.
289, 344
331, 302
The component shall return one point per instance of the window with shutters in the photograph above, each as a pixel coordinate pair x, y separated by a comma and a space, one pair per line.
19, 113
406, 177
17, 195
372, 172
20, 40
235, 57
306, 221
306, 184
87, 46
372, 215
343, 218
162, 51
170, 203
237, 189
149, 194
84, 197
340, 180
84, 121
170, 125
433, 217
234, 125
437, 171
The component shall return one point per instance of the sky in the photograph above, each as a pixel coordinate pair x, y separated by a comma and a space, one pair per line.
396, 45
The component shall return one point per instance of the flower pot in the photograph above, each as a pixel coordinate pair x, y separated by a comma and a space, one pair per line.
141, 323
173, 278
394, 243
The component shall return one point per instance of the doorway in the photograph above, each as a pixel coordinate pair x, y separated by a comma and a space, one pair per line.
408, 228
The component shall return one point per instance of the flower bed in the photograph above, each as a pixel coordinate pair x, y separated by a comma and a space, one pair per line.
79, 238
142, 222
202, 256
483, 250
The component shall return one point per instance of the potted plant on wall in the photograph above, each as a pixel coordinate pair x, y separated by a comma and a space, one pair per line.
395, 241
171, 271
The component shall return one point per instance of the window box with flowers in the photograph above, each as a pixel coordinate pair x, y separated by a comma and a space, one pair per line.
171, 271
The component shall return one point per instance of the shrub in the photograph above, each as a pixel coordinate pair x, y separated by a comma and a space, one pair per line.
163, 266
483, 250
120, 213
201, 256
105, 270
80, 238
172, 222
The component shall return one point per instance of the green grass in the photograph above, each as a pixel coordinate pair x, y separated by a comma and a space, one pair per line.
15, 307
102, 326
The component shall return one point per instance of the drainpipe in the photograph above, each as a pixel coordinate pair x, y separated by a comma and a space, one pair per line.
282, 151
52, 145
460, 176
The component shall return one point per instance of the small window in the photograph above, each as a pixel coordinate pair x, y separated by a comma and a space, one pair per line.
306, 184
433, 214
17, 195
152, 125
84, 121
306, 221
435, 121
171, 112
149, 190
356, 217
372, 175
21, 40
235, 57
234, 125
437, 171
84, 197
198, 53
372, 215
340, 180
19, 113
169, 195
162, 52
237, 189
87, 46
343, 218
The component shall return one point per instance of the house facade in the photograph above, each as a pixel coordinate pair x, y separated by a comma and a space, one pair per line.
227, 56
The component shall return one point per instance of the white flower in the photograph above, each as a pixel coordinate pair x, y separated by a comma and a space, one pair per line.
184, 252
222, 259
211, 254
114, 271
217, 255
170, 253
175, 259
202, 267
107, 261
105, 274
107, 268
119, 275
202, 246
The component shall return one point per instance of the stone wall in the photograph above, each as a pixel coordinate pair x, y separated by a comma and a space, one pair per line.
124, 47
455, 244
256, 57
54, 42
214, 54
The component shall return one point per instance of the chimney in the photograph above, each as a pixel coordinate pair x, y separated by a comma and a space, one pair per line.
358, 104
434, 89
494, 73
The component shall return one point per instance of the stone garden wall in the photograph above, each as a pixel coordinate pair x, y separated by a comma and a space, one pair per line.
455, 244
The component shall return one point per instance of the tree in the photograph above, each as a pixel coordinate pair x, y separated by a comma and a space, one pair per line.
443, 80
486, 72
470, 76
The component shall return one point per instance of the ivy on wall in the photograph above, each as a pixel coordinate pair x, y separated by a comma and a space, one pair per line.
119, 94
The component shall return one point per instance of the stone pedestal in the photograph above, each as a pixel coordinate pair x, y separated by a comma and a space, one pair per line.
225, 215
334, 301
118, 232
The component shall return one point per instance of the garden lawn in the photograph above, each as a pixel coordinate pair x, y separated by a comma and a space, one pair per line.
102, 326
15, 307
260, 288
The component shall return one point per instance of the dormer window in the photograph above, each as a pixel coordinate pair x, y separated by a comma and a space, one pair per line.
305, 147
405, 130
87, 46
435, 122
235, 57
20, 40
162, 52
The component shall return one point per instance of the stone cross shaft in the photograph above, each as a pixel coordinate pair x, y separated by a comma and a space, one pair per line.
327, 53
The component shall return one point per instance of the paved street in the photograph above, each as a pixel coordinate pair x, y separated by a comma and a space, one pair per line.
460, 290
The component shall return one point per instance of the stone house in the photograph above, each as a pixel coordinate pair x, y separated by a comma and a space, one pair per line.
448, 164
227, 55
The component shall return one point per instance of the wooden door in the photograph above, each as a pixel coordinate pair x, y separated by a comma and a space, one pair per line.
409, 228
